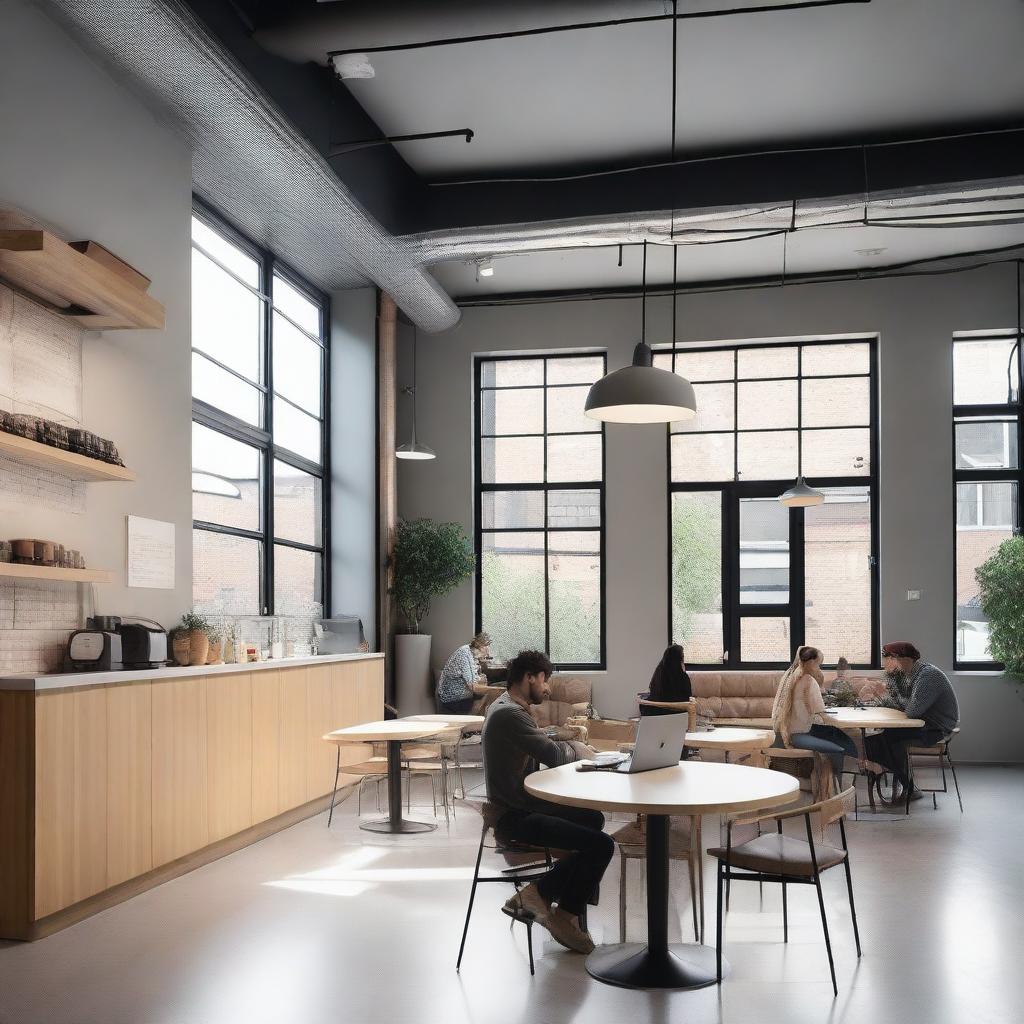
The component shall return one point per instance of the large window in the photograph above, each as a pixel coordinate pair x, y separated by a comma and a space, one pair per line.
258, 430
750, 579
540, 508
987, 435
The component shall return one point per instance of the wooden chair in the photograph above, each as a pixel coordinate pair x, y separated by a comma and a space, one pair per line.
436, 758
684, 843
524, 864
821, 771
373, 769
775, 857
678, 706
940, 751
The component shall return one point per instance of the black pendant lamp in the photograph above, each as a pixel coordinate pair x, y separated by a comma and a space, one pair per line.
414, 449
641, 393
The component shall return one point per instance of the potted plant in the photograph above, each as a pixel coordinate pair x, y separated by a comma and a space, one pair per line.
196, 628
1001, 583
428, 560
215, 635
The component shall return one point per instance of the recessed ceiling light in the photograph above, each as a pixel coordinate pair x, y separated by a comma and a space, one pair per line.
870, 252
485, 268
352, 65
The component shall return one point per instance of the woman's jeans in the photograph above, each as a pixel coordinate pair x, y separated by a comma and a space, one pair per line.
828, 740
456, 707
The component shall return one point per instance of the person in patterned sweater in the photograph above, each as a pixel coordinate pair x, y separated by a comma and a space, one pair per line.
922, 691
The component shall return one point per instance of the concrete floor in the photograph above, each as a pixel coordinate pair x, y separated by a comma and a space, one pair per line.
316, 926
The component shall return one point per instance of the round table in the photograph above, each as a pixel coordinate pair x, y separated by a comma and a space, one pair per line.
850, 719
733, 738
464, 720
690, 788
394, 733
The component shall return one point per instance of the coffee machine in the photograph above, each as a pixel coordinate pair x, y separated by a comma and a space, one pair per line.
109, 643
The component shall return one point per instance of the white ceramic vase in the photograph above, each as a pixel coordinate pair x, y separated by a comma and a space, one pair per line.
413, 684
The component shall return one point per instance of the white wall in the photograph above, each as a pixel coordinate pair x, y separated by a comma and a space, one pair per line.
354, 456
80, 153
914, 318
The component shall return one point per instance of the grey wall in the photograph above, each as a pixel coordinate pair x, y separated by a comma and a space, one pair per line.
914, 319
354, 456
80, 153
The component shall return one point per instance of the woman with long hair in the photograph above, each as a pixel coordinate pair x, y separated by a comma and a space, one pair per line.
798, 715
669, 682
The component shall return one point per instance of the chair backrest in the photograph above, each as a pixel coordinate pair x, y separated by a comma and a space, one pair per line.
831, 810
679, 706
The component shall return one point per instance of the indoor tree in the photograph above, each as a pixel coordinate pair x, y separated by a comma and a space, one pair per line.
1001, 580
429, 560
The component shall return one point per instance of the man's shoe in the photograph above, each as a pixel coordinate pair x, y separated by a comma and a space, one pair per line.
567, 932
528, 901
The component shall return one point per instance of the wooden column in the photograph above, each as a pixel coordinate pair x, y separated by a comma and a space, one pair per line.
387, 490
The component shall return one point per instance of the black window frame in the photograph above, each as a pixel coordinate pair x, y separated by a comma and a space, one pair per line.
735, 490
997, 411
481, 488
262, 437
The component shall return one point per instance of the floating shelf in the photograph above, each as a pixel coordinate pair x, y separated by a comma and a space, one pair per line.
82, 288
49, 572
78, 467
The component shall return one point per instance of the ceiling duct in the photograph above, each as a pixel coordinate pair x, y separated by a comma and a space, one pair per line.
248, 160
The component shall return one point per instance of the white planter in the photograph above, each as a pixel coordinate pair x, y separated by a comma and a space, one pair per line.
414, 687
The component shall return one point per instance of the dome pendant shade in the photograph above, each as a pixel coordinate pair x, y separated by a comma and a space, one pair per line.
641, 393
801, 495
415, 451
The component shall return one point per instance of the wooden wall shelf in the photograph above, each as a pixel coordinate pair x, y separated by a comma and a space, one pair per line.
78, 467
48, 572
81, 288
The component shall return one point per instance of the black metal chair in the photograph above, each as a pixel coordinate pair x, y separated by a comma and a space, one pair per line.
940, 751
775, 857
523, 868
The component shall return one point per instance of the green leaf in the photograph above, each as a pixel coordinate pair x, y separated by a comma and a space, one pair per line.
1001, 582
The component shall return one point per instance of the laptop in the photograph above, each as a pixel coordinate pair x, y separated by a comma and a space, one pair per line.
659, 744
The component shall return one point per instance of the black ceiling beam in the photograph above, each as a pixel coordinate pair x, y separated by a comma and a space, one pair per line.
838, 168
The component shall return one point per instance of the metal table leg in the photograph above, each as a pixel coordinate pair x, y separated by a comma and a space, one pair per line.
394, 822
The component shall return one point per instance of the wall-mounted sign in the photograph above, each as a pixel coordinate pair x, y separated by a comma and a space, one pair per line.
150, 553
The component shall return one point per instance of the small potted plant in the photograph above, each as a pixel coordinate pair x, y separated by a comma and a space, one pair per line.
429, 559
196, 628
215, 635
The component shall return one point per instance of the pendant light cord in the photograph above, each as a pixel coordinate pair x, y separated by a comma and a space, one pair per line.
672, 197
643, 298
415, 332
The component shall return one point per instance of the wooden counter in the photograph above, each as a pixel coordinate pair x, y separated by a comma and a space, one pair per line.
109, 789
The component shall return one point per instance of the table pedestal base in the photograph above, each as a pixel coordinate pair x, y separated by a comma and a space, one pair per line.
401, 826
633, 965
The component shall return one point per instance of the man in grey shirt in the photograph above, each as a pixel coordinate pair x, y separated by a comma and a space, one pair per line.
922, 691
513, 746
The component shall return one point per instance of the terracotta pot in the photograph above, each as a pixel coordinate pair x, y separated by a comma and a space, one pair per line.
181, 648
213, 655
199, 647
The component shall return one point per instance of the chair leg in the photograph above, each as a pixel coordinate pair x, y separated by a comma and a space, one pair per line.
853, 908
700, 875
472, 897
334, 795
693, 898
721, 922
622, 897
956, 785
785, 915
824, 928
529, 945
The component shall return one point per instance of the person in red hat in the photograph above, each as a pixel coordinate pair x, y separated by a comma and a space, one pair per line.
922, 691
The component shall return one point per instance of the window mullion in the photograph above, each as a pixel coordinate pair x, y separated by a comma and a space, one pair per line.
267, 275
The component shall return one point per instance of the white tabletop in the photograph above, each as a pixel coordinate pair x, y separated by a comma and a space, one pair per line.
397, 729
691, 787
872, 718
730, 739
450, 719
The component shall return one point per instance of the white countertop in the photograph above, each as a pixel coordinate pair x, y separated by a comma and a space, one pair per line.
65, 680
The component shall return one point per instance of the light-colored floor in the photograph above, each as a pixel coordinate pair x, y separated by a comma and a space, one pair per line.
316, 926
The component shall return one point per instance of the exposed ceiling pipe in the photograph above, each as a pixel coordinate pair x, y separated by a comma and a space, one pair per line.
248, 159
974, 203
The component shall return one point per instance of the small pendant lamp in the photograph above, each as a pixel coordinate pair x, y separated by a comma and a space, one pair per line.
414, 449
641, 393
801, 494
